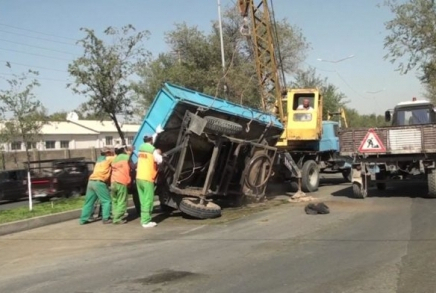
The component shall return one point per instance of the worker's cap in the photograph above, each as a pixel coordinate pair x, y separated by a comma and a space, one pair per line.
120, 147
106, 150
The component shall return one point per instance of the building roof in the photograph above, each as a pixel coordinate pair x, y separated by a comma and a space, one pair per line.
106, 126
65, 127
83, 127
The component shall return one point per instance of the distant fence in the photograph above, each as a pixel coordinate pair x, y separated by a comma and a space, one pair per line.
15, 160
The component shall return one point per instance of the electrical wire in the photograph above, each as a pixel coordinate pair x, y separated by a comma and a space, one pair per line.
42, 78
38, 38
40, 67
34, 54
36, 32
282, 70
37, 47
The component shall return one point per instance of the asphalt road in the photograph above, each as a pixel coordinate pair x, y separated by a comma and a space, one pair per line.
385, 243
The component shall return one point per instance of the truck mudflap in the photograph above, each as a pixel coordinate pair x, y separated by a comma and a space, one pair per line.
359, 181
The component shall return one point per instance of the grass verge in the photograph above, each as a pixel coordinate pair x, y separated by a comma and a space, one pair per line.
41, 209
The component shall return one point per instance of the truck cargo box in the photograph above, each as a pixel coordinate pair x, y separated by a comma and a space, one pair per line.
213, 150
172, 101
416, 139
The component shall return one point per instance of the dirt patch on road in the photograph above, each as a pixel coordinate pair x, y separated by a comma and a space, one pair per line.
228, 214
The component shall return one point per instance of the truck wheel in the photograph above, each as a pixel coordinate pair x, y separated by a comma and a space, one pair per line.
358, 192
310, 176
195, 209
294, 184
222, 126
431, 181
381, 176
347, 174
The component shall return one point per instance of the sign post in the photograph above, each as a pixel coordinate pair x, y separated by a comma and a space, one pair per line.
29, 187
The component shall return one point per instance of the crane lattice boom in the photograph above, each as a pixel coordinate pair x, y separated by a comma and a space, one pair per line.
264, 52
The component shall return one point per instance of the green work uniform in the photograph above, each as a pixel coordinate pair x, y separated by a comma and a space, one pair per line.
145, 176
96, 190
119, 201
120, 179
146, 198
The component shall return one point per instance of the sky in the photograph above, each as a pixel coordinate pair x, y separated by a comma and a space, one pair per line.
41, 34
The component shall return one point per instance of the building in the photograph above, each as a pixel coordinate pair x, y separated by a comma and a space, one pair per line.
78, 134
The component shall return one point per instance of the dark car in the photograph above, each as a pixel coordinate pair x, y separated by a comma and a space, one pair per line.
54, 178
13, 184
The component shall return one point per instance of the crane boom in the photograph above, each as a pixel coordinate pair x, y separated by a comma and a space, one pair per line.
264, 53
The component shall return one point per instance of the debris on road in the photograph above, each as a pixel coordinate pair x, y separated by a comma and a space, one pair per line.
301, 197
315, 209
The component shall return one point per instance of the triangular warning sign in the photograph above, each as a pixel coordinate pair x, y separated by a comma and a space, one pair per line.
371, 143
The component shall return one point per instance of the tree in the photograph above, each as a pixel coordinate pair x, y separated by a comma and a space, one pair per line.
58, 116
194, 61
27, 112
103, 72
412, 39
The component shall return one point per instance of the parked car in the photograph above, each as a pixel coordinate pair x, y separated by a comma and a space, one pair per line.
64, 177
13, 184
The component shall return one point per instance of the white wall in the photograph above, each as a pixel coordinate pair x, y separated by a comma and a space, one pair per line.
76, 141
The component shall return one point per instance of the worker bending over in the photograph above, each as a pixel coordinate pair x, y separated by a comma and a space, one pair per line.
98, 188
148, 159
120, 180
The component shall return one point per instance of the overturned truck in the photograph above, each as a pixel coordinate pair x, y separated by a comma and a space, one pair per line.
214, 150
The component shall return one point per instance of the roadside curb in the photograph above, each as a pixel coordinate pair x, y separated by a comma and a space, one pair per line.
37, 222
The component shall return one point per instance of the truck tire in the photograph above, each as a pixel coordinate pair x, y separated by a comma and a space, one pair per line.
431, 181
358, 192
310, 176
381, 176
294, 185
222, 126
198, 210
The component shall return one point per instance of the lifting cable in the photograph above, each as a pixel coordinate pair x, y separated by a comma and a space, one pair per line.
273, 20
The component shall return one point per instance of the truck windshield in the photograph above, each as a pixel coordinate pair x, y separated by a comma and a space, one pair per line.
413, 116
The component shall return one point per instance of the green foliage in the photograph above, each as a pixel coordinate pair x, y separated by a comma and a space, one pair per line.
357, 120
194, 61
103, 71
20, 102
412, 39
412, 33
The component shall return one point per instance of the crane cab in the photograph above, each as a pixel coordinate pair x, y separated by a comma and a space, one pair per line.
302, 116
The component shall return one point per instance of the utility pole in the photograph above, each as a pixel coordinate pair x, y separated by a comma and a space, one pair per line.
221, 36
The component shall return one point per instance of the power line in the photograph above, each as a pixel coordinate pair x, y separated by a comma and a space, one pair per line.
37, 32
359, 94
38, 38
343, 80
42, 48
40, 67
34, 54
43, 78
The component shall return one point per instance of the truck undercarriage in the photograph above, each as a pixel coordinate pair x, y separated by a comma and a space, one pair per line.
209, 163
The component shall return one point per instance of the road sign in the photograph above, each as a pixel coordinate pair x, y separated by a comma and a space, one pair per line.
371, 143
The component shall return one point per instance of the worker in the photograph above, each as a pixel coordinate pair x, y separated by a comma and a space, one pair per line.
305, 105
98, 188
133, 190
148, 159
120, 180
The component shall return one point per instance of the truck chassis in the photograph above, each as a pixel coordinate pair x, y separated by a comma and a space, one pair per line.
226, 167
